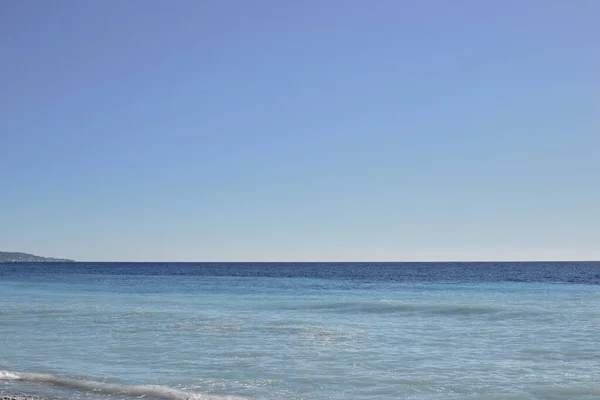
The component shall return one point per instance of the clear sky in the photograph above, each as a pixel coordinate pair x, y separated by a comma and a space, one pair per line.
313, 130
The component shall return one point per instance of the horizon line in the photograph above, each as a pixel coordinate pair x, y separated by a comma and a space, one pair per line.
318, 261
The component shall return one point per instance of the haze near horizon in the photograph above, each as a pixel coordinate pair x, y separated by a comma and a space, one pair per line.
300, 131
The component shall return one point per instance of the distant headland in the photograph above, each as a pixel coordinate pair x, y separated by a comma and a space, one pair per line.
6, 257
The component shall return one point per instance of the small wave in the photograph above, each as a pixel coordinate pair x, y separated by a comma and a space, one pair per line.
141, 391
7, 375
390, 306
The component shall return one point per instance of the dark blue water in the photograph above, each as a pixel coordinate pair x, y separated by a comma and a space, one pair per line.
450, 272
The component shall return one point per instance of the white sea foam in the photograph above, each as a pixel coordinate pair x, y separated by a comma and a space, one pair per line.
152, 391
7, 375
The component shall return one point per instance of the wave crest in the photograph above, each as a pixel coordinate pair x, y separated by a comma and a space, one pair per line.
153, 391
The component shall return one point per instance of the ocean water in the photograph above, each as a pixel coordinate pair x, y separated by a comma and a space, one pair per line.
310, 331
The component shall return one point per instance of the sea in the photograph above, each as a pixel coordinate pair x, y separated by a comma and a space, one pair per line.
300, 331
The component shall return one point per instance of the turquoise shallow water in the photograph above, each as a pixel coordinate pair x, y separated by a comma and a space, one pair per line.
301, 331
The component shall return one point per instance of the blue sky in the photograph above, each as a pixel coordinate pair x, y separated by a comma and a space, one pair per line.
308, 130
